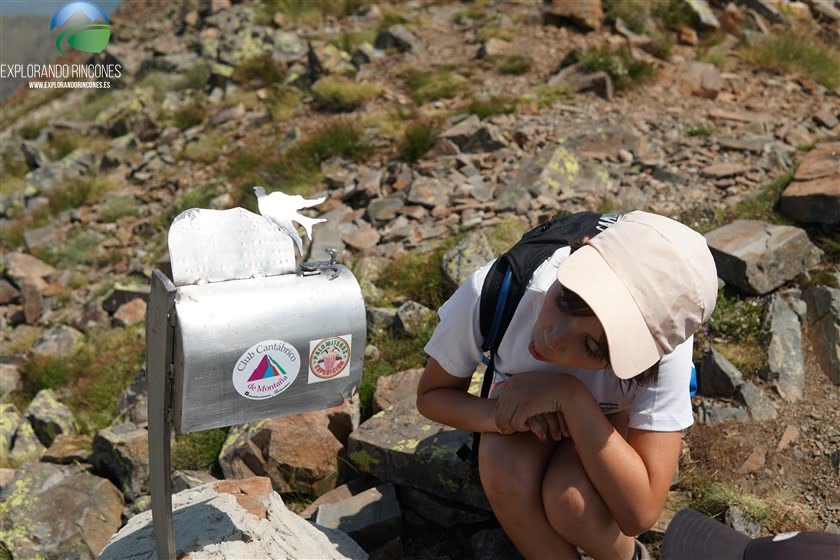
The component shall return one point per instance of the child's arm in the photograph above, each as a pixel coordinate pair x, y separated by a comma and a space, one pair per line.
444, 398
632, 476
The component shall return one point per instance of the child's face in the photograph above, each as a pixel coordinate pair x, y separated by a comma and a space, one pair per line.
564, 339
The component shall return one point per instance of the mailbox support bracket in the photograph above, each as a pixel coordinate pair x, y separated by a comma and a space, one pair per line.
160, 369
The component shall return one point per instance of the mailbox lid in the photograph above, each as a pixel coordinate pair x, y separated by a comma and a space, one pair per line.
264, 347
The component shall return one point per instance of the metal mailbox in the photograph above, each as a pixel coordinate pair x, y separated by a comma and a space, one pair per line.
241, 333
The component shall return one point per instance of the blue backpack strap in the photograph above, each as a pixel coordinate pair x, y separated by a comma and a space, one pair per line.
497, 314
692, 384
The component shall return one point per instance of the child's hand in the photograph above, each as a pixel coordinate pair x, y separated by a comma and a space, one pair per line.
549, 424
527, 395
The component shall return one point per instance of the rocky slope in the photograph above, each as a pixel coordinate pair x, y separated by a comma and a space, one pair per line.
438, 132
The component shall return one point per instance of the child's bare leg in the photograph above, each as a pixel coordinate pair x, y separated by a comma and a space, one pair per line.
576, 510
512, 469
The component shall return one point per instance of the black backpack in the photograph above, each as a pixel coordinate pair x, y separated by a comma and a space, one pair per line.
508, 278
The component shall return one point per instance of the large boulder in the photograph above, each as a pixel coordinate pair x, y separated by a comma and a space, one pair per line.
298, 452
465, 258
814, 194
233, 519
121, 454
400, 446
823, 321
55, 511
49, 417
391, 389
757, 257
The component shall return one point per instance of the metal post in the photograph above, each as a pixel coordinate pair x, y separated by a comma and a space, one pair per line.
160, 334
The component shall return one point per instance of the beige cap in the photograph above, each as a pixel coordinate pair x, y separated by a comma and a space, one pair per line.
650, 280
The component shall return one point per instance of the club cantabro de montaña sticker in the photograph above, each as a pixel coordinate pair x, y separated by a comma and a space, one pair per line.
329, 358
266, 369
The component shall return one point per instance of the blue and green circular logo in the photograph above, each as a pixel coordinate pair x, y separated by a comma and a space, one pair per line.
77, 22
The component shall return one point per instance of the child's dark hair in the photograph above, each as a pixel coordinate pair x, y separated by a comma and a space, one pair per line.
571, 303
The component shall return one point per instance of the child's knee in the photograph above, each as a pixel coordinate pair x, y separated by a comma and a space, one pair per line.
505, 472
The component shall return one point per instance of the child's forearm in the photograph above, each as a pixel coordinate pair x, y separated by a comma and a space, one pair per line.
458, 409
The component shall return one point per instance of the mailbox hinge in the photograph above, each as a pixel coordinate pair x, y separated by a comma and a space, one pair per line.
171, 321
311, 268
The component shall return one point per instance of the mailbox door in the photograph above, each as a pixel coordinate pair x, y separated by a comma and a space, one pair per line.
264, 347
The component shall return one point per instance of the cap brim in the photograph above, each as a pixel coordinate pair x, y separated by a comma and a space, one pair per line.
693, 536
632, 347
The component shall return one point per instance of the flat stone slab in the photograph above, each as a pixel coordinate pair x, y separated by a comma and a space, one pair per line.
400, 446
758, 257
814, 194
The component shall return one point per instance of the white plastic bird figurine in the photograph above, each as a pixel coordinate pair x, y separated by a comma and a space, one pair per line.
281, 209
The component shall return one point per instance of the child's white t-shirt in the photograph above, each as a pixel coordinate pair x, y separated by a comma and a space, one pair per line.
662, 406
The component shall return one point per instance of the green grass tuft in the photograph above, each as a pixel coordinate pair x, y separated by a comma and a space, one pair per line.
625, 72
736, 329
262, 70
795, 51
431, 86
79, 192
341, 94
513, 64
548, 95
198, 451
418, 139
119, 207
701, 129
82, 248
90, 380
196, 77
496, 105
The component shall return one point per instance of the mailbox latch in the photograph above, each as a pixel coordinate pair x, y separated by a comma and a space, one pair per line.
311, 268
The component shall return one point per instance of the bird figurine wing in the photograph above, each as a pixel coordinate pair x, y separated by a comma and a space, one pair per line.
281, 210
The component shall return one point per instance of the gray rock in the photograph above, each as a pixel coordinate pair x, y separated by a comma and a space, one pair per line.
766, 8
49, 417
399, 38
21, 268
6, 476
702, 78
289, 48
492, 544
27, 446
361, 238
459, 262
133, 403
55, 175
742, 522
57, 342
122, 294
121, 454
381, 210
298, 452
439, 511
824, 328
33, 154
753, 143
400, 446
371, 518
492, 47
337, 494
785, 361
9, 420
219, 521
252, 42
380, 317
412, 317
67, 449
53, 511
472, 135
760, 406
758, 257
8, 292
391, 389
557, 172
582, 80
329, 234
184, 480
714, 415
429, 192
326, 58
364, 54
704, 12
717, 377
814, 194
9, 379
46, 236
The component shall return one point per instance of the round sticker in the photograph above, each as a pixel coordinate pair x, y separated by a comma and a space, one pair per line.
266, 369
329, 358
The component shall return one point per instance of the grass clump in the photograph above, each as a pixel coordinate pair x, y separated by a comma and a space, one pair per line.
548, 94
495, 30
634, 13
84, 248
495, 105
198, 451
736, 329
439, 84
206, 149
196, 77
305, 12
296, 170
418, 139
793, 50
79, 192
625, 72
512, 64
91, 380
188, 116
260, 70
342, 94
700, 129
118, 207
283, 101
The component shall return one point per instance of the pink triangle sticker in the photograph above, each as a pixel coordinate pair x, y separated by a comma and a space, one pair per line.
260, 370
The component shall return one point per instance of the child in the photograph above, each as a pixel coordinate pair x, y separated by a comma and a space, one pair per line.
581, 435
